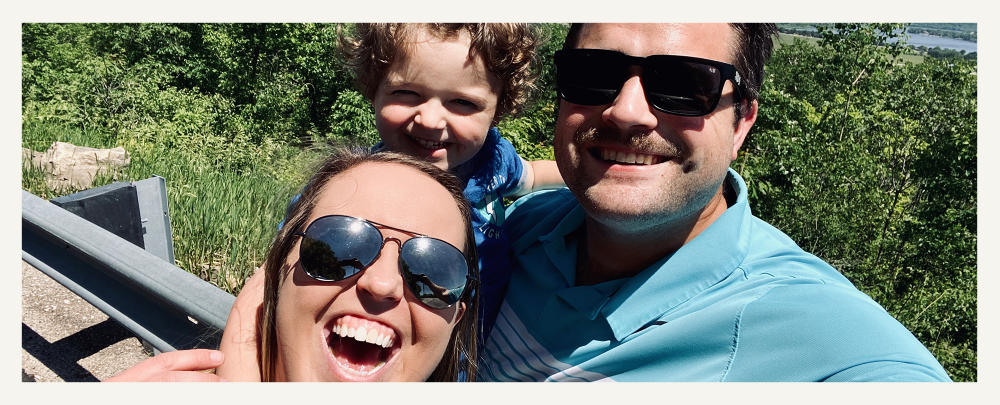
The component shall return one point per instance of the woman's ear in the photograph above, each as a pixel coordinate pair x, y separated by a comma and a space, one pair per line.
461, 311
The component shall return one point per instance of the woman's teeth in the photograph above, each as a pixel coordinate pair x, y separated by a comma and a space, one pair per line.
629, 157
367, 335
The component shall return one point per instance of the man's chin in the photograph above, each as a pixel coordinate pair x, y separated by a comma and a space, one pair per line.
618, 204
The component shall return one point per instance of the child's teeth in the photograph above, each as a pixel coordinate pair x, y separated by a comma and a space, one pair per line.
429, 144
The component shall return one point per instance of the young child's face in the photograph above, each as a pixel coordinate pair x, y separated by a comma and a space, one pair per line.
435, 102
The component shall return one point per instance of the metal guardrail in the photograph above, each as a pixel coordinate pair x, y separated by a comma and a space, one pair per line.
159, 302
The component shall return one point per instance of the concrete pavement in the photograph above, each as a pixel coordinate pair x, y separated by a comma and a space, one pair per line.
64, 338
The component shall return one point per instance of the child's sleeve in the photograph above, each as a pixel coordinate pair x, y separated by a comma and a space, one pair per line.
511, 166
539, 175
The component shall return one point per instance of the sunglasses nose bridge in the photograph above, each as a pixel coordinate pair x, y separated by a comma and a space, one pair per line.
381, 283
399, 243
631, 109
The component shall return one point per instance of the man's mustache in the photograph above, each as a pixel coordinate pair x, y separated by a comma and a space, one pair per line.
640, 141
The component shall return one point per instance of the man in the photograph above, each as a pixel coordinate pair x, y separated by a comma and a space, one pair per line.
651, 266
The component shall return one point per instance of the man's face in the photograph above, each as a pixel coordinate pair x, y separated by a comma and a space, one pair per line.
682, 160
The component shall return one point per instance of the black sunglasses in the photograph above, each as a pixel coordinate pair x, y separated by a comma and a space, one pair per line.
335, 247
679, 85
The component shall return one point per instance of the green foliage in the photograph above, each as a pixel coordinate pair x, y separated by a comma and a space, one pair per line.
531, 131
551, 36
531, 135
353, 120
222, 221
870, 163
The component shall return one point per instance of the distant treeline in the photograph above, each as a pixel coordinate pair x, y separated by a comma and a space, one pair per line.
964, 31
943, 53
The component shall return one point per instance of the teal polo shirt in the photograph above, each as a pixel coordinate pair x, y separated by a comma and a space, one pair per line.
739, 302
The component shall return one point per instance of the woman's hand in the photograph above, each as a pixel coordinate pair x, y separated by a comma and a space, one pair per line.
179, 366
239, 339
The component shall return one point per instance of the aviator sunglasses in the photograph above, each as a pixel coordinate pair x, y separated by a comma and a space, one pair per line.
679, 85
335, 247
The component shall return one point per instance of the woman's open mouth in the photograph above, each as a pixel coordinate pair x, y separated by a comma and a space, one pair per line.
361, 346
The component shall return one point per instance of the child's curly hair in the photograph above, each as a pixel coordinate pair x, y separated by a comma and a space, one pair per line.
507, 49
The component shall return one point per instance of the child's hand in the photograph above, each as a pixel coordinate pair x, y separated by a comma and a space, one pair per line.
179, 366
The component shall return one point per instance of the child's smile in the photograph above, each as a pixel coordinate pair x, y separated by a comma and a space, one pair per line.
436, 101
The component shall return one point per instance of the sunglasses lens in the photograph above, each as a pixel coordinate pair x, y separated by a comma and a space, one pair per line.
588, 76
338, 247
435, 271
672, 84
682, 87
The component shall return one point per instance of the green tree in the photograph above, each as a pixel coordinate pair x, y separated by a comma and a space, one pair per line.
869, 163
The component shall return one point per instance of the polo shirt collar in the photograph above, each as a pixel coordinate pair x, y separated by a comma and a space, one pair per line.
560, 244
629, 304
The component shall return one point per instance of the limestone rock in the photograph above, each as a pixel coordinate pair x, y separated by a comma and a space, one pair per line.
69, 166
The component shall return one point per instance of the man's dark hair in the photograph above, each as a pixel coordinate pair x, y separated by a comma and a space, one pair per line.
753, 48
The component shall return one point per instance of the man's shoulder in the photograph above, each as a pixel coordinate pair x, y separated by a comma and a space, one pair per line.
771, 252
835, 327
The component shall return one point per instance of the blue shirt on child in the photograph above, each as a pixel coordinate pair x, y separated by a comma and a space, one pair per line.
495, 172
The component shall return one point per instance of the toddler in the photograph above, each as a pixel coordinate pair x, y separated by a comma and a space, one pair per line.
438, 91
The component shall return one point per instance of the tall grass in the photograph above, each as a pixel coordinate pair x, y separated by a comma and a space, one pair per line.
222, 221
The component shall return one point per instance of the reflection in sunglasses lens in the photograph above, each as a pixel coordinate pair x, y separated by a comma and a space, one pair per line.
320, 262
436, 271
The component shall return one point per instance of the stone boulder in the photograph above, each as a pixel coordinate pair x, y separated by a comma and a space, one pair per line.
69, 166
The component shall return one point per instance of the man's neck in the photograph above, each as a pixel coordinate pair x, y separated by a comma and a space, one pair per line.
607, 253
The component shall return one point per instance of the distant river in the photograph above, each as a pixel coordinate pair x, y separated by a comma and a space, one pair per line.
941, 42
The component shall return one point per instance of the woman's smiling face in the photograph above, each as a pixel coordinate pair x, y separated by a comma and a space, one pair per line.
369, 327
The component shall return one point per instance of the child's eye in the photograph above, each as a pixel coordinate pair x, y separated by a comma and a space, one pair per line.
402, 92
465, 103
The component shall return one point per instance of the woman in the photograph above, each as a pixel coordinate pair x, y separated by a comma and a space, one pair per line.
372, 278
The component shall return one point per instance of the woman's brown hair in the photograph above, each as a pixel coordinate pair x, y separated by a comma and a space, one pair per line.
461, 353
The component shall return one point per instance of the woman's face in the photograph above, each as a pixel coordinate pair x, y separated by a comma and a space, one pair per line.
315, 320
